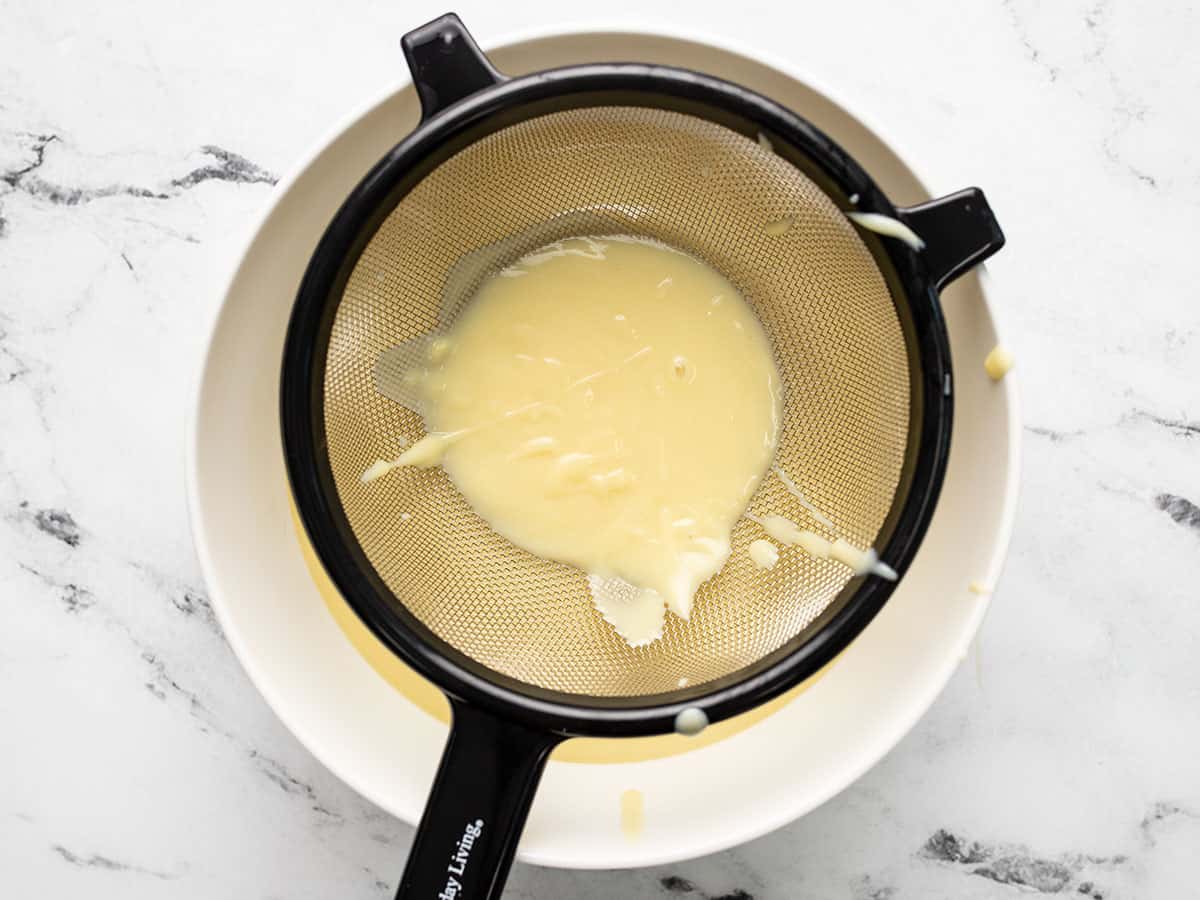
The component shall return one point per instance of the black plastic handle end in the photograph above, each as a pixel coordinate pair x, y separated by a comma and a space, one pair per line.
446, 64
959, 231
480, 799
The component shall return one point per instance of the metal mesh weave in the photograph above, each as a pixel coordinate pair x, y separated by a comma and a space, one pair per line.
706, 190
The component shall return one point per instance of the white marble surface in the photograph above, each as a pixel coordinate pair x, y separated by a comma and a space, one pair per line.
136, 760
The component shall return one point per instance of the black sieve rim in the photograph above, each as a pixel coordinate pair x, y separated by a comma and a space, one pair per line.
913, 278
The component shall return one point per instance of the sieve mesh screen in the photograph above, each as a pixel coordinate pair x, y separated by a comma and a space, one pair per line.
708, 191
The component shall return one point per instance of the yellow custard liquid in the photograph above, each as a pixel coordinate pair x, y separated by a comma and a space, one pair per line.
610, 403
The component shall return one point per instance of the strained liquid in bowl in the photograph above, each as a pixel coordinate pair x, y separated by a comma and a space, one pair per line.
611, 403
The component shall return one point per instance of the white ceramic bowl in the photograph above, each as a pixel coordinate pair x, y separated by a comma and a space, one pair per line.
383, 745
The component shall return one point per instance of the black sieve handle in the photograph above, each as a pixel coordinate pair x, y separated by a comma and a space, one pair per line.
959, 231
446, 64
481, 796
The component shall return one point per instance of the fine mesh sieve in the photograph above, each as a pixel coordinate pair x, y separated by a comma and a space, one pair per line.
496, 169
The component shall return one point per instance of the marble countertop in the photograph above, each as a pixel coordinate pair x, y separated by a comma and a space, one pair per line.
136, 760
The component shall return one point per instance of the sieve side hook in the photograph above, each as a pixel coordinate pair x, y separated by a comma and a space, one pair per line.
959, 231
446, 64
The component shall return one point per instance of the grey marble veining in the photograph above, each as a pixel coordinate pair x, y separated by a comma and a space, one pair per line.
137, 141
